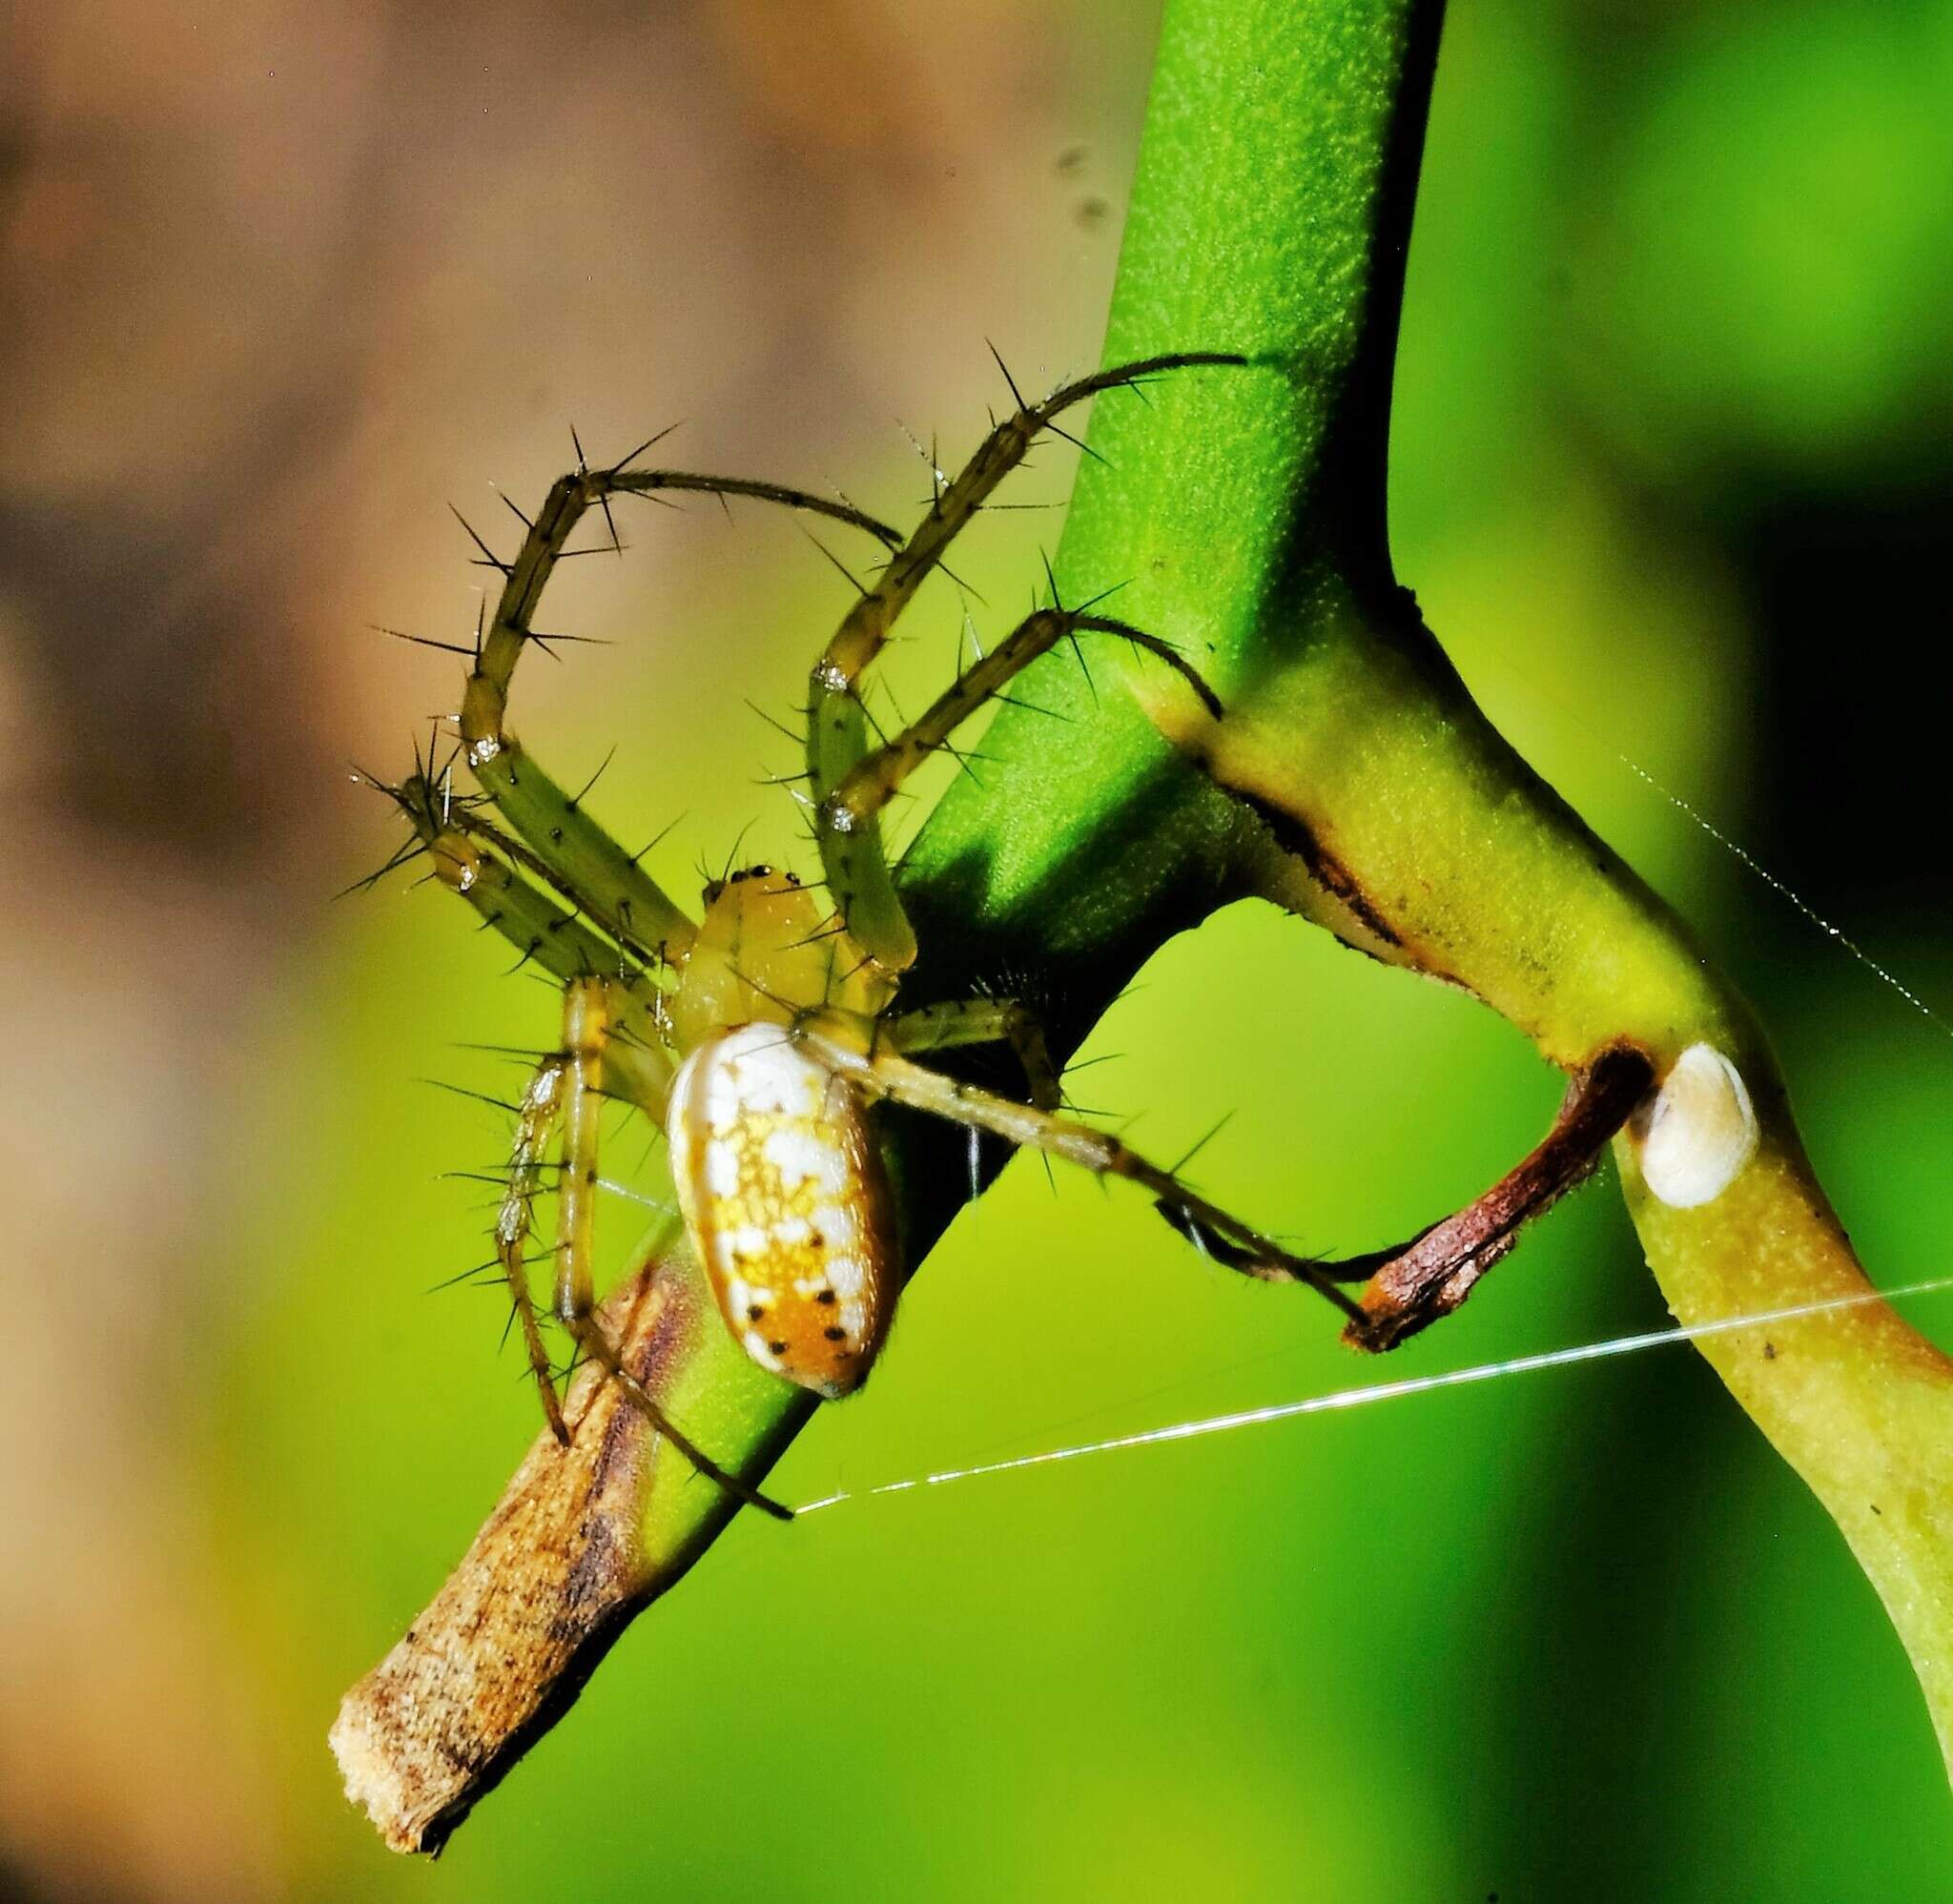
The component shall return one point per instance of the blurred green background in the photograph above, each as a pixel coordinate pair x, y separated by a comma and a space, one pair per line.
1671, 481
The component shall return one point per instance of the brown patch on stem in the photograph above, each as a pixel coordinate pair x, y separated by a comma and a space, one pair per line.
1295, 837
553, 1577
1412, 1288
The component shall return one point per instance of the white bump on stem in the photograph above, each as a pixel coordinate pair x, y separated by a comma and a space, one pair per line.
1697, 1132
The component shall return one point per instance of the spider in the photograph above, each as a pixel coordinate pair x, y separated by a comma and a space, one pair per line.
759, 1034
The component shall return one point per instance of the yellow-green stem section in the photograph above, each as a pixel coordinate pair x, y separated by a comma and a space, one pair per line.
1460, 863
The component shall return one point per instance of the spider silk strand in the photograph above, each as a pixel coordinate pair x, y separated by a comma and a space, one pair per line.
1340, 1399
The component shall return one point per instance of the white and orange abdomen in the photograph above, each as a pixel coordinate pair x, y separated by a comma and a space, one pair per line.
783, 1192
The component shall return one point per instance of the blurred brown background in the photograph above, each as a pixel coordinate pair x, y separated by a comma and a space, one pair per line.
279, 278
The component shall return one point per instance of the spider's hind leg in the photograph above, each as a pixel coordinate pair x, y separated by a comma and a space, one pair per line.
535, 1121
848, 1044
586, 1043
962, 1022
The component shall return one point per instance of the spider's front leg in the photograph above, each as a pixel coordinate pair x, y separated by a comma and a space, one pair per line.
851, 810
848, 833
561, 843
498, 879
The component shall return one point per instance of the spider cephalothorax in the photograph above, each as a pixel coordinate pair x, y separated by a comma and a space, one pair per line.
760, 1034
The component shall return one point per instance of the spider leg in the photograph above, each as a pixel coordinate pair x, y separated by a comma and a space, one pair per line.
586, 1061
611, 1048
869, 786
977, 1021
847, 1043
471, 859
857, 874
535, 1121
609, 882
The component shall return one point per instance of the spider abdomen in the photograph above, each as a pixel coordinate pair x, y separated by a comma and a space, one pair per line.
782, 1190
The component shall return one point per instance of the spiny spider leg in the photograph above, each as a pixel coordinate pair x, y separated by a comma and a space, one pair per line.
542, 1107
874, 780
847, 1043
579, 857
977, 1021
608, 883
857, 874
611, 1048
545, 934
586, 1059
466, 818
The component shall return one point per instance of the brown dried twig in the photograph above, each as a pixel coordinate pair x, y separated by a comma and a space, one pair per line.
1435, 1272
554, 1576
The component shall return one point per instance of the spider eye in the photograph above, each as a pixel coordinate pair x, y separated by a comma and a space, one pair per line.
713, 890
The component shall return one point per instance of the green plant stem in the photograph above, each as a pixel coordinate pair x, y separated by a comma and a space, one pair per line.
1073, 863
